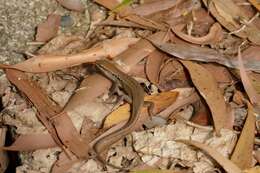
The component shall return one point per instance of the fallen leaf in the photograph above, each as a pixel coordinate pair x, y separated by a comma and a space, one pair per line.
153, 7
60, 127
156, 171
160, 101
209, 90
255, 3
4, 159
220, 73
243, 153
26, 143
203, 54
153, 65
47, 63
75, 5
227, 11
49, 28
253, 170
227, 165
214, 36
251, 92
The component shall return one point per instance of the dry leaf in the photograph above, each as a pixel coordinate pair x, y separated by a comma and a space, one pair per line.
227, 165
255, 3
49, 28
156, 171
4, 159
243, 153
161, 101
61, 127
251, 92
208, 88
220, 73
253, 170
153, 65
214, 36
227, 12
27, 142
153, 7
172, 75
47, 63
75, 5
202, 54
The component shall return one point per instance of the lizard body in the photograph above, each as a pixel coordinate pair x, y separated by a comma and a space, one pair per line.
136, 94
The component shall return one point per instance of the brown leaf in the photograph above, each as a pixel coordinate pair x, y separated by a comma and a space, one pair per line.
243, 153
208, 88
4, 159
49, 28
110, 4
255, 3
253, 170
27, 142
251, 92
60, 127
75, 5
153, 65
220, 73
153, 7
227, 165
47, 63
161, 101
202, 54
227, 11
214, 36
172, 75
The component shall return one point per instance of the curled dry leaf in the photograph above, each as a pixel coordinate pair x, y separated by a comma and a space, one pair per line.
153, 65
137, 52
227, 11
75, 5
214, 36
172, 75
243, 153
227, 165
49, 28
209, 90
47, 63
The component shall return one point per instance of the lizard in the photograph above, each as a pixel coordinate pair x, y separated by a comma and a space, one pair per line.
136, 96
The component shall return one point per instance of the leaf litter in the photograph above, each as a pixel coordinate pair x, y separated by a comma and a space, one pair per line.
177, 49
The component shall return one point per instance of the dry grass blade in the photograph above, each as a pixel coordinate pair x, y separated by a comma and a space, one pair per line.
243, 153
227, 165
209, 90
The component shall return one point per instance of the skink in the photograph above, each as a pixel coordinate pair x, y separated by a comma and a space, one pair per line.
136, 93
